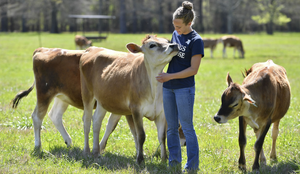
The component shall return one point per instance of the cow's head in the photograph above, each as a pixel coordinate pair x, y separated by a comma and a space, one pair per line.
242, 54
157, 51
235, 102
89, 43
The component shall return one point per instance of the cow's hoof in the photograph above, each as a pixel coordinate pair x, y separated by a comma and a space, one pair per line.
37, 151
242, 167
86, 151
255, 167
95, 153
140, 159
68, 143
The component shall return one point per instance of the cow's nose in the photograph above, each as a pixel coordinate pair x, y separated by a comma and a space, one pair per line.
217, 119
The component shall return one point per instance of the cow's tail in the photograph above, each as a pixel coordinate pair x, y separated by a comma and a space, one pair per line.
20, 95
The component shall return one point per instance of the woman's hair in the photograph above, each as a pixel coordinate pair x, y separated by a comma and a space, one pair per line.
186, 13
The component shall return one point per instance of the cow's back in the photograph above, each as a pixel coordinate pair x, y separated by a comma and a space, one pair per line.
119, 77
269, 81
57, 72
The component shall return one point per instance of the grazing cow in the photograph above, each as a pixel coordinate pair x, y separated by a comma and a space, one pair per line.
211, 43
233, 41
57, 76
125, 84
82, 42
262, 99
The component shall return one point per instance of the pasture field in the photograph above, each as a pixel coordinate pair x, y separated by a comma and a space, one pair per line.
218, 144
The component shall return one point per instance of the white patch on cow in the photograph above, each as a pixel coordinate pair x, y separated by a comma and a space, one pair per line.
63, 97
270, 64
63, 51
251, 122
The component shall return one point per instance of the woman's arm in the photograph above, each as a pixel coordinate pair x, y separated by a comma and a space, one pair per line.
192, 70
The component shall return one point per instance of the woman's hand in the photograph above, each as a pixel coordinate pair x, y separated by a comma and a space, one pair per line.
163, 77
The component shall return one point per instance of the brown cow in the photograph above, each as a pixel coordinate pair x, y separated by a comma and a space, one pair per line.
125, 84
57, 77
233, 41
262, 99
211, 43
82, 42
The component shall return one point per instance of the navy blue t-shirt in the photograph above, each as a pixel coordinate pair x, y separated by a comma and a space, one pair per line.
189, 45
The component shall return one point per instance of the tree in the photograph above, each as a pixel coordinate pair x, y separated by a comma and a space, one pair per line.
270, 14
4, 17
230, 6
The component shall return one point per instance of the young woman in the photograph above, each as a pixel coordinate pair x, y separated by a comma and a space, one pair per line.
179, 87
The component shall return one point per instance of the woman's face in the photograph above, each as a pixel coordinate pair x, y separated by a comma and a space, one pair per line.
181, 28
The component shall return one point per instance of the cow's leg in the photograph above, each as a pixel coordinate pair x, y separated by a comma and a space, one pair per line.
259, 144
234, 51
97, 122
88, 105
132, 129
37, 118
262, 157
87, 118
138, 124
110, 127
161, 125
275, 132
224, 51
56, 114
242, 143
211, 53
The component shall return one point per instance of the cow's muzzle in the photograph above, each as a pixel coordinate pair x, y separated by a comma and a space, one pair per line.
217, 119
220, 119
174, 47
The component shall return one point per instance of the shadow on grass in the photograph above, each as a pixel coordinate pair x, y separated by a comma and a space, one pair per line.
107, 161
284, 167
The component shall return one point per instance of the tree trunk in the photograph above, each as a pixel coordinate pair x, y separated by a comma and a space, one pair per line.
122, 16
4, 19
161, 16
269, 28
200, 16
134, 17
24, 27
229, 22
54, 25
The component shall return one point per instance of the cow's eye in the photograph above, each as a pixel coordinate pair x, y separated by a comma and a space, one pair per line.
152, 45
235, 105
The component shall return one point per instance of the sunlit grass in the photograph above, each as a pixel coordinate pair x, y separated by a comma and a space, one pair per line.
218, 144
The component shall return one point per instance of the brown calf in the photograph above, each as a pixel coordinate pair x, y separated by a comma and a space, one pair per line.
125, 84
211, 43
262, 99
82, 42
233, 41
57, 77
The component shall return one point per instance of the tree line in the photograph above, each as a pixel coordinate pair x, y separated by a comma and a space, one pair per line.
151, 16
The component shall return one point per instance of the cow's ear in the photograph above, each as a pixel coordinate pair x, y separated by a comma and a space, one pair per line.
228, 79
133, 48
249, 100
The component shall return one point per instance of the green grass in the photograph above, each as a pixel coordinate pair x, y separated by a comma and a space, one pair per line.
219, 150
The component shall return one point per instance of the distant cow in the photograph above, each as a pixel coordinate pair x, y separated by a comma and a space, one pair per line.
262, 99
57, 77
211, 43
125, 84
233, 41
82, 42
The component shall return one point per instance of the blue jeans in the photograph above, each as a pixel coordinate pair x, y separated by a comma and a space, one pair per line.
178, 106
